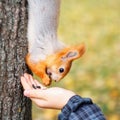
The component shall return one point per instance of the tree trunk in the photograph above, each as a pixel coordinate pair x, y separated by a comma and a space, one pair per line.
13, 48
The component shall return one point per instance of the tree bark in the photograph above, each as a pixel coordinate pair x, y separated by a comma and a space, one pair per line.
13, 48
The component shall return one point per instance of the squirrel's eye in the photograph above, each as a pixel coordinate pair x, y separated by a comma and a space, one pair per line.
61, 70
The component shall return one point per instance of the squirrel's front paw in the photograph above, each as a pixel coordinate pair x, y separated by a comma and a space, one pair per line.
46, 81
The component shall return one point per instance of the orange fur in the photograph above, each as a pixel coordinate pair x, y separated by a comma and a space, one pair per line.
53, 62
39, 69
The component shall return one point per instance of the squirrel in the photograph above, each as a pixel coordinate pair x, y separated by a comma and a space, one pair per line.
47, 57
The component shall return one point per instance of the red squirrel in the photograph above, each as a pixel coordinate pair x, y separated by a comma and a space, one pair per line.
47, 57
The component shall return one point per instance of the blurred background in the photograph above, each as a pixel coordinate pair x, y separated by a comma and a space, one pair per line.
97, 73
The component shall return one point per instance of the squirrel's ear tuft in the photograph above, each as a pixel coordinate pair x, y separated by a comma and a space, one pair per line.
74, 52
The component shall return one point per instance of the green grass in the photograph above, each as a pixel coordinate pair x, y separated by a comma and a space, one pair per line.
97, 73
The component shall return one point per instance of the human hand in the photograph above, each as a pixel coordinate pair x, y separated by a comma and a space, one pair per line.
53, 98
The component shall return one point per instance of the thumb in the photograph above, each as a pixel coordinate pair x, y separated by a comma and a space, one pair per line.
34, 93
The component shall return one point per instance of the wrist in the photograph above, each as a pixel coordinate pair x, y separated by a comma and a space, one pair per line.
67, 98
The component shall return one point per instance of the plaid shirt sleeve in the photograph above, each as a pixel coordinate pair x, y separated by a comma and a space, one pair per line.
79, 108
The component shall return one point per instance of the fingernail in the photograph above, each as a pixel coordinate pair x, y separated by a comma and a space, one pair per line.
26, 92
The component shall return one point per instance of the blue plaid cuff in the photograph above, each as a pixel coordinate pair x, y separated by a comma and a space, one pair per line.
79, 108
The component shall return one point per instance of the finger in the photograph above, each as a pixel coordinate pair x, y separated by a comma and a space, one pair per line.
40, 102
34, 85
31, 81
28, 78
38, 93
24, 83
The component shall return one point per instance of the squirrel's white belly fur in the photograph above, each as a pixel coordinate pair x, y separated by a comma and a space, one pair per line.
42, 28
